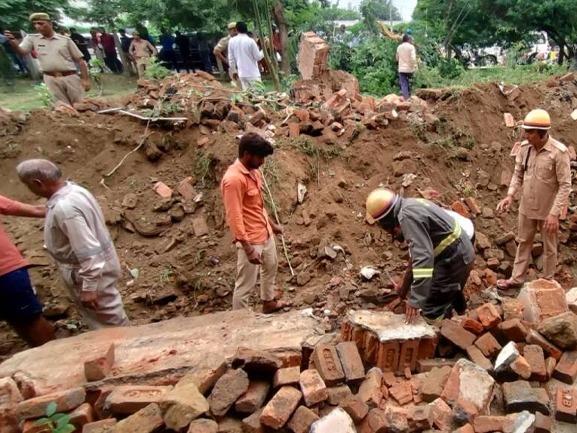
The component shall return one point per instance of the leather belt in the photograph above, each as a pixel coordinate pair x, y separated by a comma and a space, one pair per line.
60, 74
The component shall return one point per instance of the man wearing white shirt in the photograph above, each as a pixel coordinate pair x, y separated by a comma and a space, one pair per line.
243, 57
407, 58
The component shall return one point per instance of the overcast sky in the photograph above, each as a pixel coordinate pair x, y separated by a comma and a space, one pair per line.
406, 7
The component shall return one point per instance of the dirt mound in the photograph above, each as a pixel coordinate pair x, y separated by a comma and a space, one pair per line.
177, 253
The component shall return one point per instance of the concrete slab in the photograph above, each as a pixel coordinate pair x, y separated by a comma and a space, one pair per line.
160, 352
390, 326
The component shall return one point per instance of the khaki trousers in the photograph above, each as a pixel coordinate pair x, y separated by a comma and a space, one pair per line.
247, 274
527, 229
67, 89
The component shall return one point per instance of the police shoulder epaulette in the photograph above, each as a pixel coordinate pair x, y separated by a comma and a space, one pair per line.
559, 145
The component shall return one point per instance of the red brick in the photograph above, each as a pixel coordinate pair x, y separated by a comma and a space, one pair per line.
475, 355
426, 365
488, 345
351, 361
542, 423
102, 426
99, 368
513, 330
396, 419
542, 299
10, 395
521, 367
328, 364
286, 376
65, 401
467, 428
533, 337
550, 364
486, 424
371, 348
512, 308
294, 129
356, 408
229, 387
566, 369
280, 408
536, 359
473, 205
472, 325
82, 415
453, 332
203, 425
461, 209
250, 424
402, 392
146, 420
128, 399
389, 378
427, 348
488, 315
374, 422
370, 390
302, 420
339, 394
162, 190
185, 189
420, 418
388, 356
442, 415
433, 384
254, 397
313, 387
32, 426
566, 405
408, 356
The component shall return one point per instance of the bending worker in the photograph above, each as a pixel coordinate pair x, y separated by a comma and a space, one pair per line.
441, 253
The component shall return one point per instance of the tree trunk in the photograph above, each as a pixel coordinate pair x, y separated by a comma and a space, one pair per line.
280, 21
561, 56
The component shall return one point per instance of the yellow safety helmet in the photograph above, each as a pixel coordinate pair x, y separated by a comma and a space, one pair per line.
379, 203
537, 119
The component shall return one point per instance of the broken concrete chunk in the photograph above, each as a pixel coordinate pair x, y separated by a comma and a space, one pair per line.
561, 330
520, 396
227, 390
182, 405
338, 421
508, 354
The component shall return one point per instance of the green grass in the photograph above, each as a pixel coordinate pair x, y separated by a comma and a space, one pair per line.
518, 75
24, 97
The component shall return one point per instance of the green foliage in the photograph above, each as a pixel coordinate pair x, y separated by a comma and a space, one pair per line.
155, 70
374, 10
57, 422
450, 68
14, 13
44, 95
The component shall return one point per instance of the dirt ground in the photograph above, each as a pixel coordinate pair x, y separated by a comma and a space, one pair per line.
460, 149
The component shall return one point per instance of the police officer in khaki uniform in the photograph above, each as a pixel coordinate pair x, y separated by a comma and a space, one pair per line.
58, 56
543, 175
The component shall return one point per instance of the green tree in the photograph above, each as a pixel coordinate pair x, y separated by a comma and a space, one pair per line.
14, 13
375, 10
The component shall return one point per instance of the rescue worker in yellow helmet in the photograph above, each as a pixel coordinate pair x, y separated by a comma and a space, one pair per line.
543, 176
441, 252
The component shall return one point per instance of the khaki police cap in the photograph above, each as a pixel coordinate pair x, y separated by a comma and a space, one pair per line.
39, 16
231, 26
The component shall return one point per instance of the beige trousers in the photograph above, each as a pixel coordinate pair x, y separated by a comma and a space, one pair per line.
66, 89
247, 274
141, 66
527, 229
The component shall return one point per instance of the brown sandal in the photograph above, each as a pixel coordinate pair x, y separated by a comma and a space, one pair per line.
508, 285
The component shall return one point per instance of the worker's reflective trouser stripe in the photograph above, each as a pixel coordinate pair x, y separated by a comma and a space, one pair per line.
421, 273
448, 240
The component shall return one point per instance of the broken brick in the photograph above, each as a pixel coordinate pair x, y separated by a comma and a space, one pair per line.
566, 369
512, 307
461, 209
339, 394
473, 205
388, 356
253, 398
513, 330
467, 428
488, 345
472, 325
10, 395
521, 367
536, 359
280, 408
509, 120
351, 361
396, 419
402, 392
128, 399
453, 332
488, 315
203, 425
102, 426
65, 401
519, 396
370, 390
183, 404
185, 189
550, 364
286, 376
542, 423
542, 299
162, 190
146, 420
533, 337
442, 415
302, 420
82, 415
99, 368
356, 408
426, 365
229, 387
561, 330
434, 382
420, 418
487, 424
475, 355
29, 426
313, 387
328, 364
566, 405
294, 129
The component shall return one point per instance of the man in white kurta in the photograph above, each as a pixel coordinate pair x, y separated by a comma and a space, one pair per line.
75, 235
243, 57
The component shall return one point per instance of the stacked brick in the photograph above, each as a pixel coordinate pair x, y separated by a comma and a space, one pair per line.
313, 56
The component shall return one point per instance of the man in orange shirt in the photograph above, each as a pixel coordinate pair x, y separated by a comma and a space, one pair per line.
19, 305
250, 224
